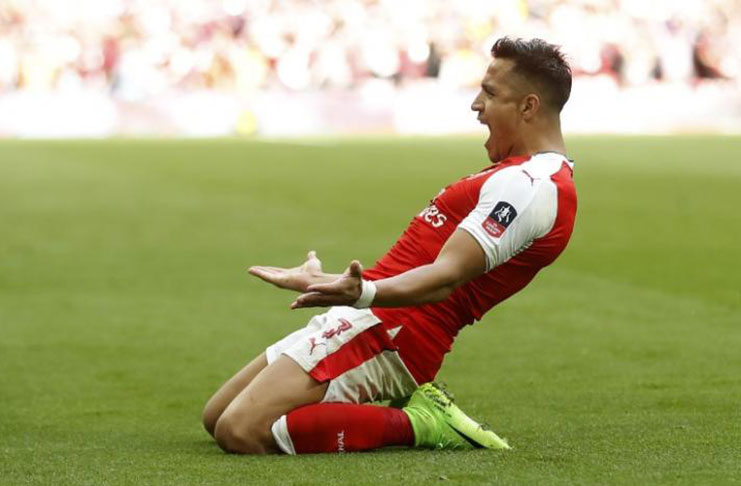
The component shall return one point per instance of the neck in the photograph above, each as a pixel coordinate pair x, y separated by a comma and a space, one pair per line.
543, 137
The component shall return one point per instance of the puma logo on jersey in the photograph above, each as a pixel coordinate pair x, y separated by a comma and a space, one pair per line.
532, 179
345, 325
432, 215
314, 344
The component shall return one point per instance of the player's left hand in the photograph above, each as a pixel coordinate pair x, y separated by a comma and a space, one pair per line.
345, 290
296, 278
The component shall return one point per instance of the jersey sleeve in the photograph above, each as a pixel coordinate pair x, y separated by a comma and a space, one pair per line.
513, 210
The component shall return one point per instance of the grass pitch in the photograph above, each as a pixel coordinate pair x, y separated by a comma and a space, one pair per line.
124, 304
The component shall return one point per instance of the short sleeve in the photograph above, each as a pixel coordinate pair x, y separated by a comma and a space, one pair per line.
513, 210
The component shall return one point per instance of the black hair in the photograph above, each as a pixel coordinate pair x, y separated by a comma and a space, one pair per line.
541, 63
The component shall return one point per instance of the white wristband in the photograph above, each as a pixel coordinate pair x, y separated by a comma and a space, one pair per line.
366, 296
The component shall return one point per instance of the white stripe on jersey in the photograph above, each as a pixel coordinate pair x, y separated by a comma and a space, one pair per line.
525, 190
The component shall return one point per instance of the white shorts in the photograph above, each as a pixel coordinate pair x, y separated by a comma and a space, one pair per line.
352, 350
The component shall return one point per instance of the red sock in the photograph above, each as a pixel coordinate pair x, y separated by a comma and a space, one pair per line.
341, 427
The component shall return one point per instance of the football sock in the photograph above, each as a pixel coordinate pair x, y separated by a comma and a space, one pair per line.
341, 427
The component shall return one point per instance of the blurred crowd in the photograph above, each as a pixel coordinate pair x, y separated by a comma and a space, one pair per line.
134, 49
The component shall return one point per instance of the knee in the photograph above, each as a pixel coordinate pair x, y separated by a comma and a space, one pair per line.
209, 421
210, 416
239, 436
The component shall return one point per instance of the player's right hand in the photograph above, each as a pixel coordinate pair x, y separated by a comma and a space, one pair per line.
346, 289
296, 278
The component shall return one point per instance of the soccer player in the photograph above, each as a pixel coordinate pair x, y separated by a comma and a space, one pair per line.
480, 240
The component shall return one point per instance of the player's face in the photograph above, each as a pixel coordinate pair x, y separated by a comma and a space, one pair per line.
497, 106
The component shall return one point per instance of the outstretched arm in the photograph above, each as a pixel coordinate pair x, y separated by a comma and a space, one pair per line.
460, 260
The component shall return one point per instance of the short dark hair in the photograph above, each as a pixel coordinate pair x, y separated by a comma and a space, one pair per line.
541, 63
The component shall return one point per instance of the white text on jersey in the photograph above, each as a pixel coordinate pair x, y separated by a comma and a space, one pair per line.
433, 216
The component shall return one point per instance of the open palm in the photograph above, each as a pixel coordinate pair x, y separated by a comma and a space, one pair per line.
296, 278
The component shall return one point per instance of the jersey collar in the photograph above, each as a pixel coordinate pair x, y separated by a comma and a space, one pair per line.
514, 160
521, 159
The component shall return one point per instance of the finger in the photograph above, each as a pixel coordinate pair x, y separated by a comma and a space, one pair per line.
314, 299
267, 276
261, 272
276, 269
356, 269
327, 288
313, 263
266, 269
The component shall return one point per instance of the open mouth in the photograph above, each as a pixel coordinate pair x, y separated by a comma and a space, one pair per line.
488, 140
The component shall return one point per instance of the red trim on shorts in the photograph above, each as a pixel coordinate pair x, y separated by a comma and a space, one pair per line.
352, 354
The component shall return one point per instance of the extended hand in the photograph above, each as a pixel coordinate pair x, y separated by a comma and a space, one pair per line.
297, 278
345, 290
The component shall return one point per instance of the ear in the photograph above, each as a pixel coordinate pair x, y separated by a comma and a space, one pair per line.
529, 106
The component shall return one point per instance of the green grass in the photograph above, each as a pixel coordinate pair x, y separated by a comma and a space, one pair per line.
124, 304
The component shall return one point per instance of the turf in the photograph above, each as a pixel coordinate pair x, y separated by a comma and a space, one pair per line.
124, 304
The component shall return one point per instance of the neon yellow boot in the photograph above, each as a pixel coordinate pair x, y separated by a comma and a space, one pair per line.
439, 424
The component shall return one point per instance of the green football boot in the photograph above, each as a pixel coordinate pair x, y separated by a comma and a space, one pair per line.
439, 424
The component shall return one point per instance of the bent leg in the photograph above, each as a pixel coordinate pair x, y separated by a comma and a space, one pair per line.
229, 390
284, 388
343, 427
352, 359
245, 426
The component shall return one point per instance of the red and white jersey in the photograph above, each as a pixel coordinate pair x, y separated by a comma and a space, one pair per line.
520, 210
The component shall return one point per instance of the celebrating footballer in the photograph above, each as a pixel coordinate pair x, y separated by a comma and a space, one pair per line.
389, 327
